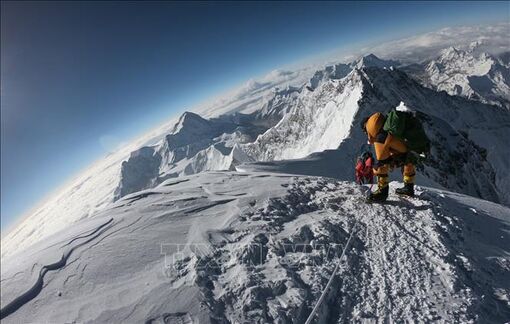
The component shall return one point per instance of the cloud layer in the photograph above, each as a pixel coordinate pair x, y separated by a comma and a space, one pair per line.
488, 38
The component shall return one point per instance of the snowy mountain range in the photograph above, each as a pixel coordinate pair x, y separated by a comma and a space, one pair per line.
292, 122
297, 122
480, 77
219, 176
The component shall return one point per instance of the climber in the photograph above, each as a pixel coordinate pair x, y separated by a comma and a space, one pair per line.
395, 138
364, 172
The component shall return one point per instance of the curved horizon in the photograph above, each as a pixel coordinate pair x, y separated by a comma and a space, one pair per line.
16, 212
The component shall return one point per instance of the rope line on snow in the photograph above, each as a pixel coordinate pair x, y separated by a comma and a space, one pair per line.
330, 281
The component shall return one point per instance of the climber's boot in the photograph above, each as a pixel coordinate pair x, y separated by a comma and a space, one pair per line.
381, 194
406, 190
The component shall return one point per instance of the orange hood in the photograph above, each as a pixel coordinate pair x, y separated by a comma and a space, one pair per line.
374, 125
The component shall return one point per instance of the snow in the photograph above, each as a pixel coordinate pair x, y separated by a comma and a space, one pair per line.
402, 107
166, 229
458, 128
156, 233
288, 123
463, 131
90, 191
260, 247
463, 73
317, 121
94, 188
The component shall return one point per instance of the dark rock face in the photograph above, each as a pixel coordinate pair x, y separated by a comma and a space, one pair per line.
138, 171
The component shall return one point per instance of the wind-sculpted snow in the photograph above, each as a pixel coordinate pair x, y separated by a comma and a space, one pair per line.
260, 247
37, 287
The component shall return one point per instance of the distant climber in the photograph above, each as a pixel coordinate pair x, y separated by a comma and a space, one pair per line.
364, 168
395, 137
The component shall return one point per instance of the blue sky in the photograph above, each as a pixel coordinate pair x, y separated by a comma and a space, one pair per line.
75, 76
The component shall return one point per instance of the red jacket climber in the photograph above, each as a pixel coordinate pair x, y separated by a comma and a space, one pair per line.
364, 168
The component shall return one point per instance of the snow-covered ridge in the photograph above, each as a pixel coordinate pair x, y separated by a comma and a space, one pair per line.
468, 145
318, 120
462, 158
288, 122
341, 70
297, 122
195, 144
260, 247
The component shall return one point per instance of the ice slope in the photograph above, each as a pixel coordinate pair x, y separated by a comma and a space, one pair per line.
318, 120
259, 247
320, 116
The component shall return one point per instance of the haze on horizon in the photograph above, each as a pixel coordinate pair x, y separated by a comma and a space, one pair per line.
78, 79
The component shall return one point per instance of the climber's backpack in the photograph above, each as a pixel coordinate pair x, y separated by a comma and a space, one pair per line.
407, 127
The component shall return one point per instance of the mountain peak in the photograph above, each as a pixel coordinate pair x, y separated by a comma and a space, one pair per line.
190, 119
371, 60
188, 115
336, 71
451, 52
371, 56
451, 49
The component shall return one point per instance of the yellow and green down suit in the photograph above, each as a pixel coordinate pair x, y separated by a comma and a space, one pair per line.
387, 148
